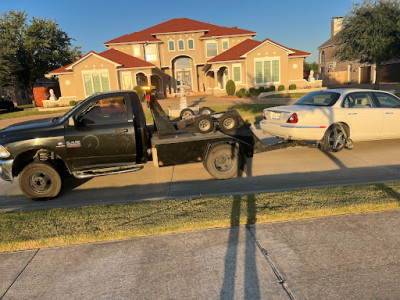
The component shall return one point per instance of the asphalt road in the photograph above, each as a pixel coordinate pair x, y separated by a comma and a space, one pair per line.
341, 257
280, 170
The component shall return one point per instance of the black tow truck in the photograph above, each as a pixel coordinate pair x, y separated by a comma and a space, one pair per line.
107, 134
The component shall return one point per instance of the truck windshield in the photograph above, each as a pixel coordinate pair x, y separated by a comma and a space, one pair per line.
319, 98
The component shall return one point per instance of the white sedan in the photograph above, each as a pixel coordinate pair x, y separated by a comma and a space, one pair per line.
331, 117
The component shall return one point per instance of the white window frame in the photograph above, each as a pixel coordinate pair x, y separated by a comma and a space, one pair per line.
222, 44
270, 59
91, 72
169, 49
190, 39
233, 72
155, 54
211, 42
123, 81
183, 43
134, 48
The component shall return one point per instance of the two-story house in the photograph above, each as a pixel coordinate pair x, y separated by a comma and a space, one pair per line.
199, 55
334, 72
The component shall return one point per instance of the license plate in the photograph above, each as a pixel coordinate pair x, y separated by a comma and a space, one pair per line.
275, 115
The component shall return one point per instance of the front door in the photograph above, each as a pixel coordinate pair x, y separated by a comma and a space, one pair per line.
185, 78
102, 136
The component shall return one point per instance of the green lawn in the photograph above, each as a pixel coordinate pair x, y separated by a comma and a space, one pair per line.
288, 95
64, 226
30, 112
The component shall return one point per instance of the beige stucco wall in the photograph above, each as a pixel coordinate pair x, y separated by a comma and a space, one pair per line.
295, 70
68, 86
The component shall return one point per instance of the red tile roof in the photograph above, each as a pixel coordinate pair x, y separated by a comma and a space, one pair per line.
237, 51
124, 60
179, 25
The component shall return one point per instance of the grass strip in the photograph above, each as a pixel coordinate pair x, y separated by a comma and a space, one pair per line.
288, 95
31, 112
64, 226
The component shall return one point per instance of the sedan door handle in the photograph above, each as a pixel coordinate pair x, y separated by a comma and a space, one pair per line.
352, 113
389, 113
120, 130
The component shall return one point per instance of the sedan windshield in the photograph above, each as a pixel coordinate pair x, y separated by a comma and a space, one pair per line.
319, 98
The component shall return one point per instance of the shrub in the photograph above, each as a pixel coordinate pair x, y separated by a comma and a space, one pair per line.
248, 94
253, 91
271, 88
239, 94
230, 88
261, 89
292, 87
72, 103
281, 87
139, 91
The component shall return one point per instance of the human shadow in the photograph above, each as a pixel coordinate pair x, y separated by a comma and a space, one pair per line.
232, 256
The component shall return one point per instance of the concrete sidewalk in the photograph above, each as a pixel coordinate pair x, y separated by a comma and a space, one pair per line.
340, 257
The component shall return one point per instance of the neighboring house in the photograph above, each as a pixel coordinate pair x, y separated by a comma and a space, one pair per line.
199, 55
335, 72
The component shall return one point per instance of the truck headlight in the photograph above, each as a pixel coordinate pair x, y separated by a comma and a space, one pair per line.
3, 152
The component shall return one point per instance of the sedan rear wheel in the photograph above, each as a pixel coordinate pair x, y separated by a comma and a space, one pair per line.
335, 138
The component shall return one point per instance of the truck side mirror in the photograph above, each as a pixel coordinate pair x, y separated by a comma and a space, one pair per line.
71, 122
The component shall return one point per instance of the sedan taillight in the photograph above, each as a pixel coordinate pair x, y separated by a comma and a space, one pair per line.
293, 118
264, 114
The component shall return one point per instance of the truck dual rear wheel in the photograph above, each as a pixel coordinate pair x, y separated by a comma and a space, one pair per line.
223, 161
40, 180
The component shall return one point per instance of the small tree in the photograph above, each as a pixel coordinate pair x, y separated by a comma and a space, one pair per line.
370, 34
230, 88
311, 66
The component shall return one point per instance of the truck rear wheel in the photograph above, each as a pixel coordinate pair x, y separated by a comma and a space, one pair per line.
223, 161
40, 180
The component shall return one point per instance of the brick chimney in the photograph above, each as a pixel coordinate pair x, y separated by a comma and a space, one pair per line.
336, 25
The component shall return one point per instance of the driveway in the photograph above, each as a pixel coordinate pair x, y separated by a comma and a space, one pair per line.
341, 257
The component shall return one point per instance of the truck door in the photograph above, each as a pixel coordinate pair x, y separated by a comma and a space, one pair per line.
103, 134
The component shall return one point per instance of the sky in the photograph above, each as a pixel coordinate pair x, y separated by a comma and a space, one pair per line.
302, 25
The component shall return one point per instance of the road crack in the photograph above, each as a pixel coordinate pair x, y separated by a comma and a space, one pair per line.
276, 272
20, 273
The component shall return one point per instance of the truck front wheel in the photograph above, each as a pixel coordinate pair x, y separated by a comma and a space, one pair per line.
40, 180
223, 161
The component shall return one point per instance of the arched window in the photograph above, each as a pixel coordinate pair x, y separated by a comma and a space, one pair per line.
322, 56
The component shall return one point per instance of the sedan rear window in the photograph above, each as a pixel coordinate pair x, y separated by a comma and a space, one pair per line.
319, 98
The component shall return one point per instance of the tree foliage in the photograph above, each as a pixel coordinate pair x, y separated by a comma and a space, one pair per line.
370, 34
310, 66
30, 48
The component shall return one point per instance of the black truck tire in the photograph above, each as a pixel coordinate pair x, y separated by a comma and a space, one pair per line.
40, 180
205, 111
228, 122
223, 161
204, 124
186, 113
